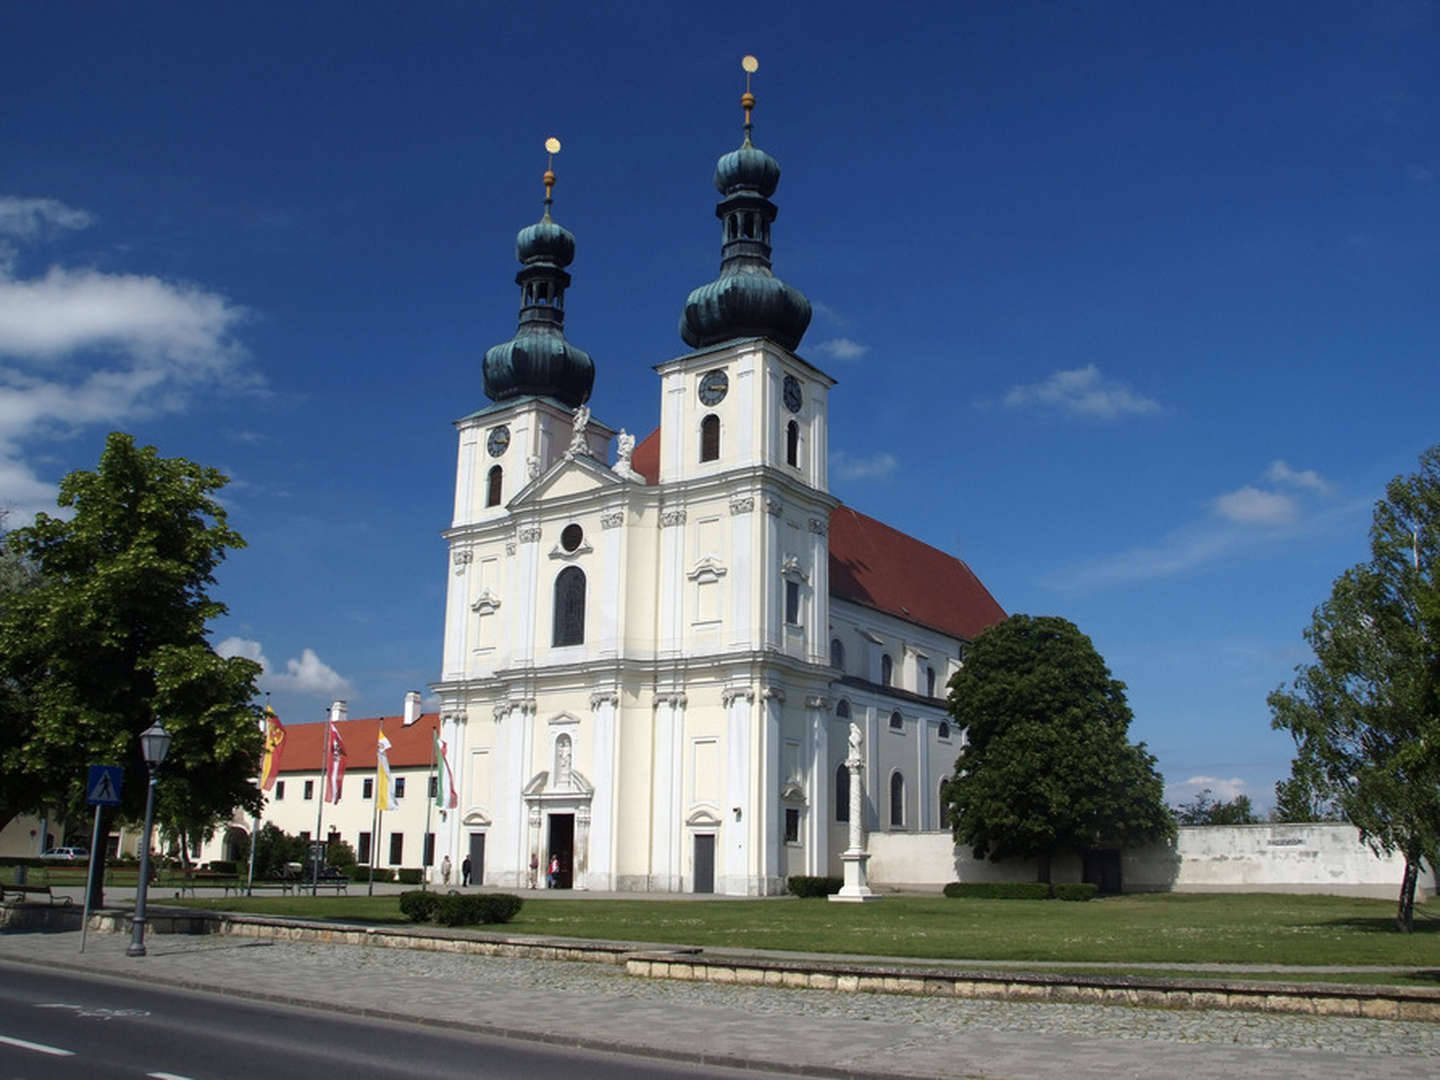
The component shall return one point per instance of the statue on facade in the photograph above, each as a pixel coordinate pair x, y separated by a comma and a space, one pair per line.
578, 445
856, 740
626, 443
532, 466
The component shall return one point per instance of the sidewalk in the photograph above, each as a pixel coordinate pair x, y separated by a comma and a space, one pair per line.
813, 1032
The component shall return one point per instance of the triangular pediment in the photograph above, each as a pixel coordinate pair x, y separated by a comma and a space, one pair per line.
570, 476
540, 785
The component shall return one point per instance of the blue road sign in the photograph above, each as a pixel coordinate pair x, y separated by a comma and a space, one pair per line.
103, 787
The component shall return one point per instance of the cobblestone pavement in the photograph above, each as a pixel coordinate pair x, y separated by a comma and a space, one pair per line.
816, 1031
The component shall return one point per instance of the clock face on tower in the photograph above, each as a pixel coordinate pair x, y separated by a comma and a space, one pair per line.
713, 387
498, 441
793, 396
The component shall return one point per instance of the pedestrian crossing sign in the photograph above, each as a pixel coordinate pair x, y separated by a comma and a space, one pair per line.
103, 787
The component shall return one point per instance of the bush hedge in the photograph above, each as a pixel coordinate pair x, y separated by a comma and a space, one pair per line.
223, 866
362, 873
459, 909
409, 875
998, 890
1077, 891
808, 886
418, 905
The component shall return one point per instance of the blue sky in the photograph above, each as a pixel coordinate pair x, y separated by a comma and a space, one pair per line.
1131, 305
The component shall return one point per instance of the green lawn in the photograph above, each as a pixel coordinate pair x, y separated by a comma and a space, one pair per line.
1145, 929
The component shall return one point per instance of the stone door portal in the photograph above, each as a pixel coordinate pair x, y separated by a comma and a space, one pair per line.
561, 846
705, 863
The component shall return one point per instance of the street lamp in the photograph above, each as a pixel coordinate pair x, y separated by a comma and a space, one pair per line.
154, 745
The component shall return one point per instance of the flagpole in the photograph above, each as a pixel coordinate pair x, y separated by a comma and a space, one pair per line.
319, 809
255, 822
429, 802
375, 813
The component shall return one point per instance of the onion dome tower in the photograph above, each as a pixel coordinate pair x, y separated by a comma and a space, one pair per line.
746, 300
538, 360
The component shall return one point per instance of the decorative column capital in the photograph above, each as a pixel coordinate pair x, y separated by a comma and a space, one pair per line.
742, 504
815, 701
676, 700
773, 693
669, 518
819, 526
613, 519
461, 557
772, 507
604, 697
529, 534
732, 694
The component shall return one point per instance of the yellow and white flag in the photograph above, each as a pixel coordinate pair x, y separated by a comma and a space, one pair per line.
382, 773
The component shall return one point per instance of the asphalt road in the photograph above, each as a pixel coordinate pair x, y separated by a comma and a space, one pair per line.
55, 1026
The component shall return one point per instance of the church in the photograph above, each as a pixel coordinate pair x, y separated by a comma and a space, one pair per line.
651, 665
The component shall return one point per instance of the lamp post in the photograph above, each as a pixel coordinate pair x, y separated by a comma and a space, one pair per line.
154, 745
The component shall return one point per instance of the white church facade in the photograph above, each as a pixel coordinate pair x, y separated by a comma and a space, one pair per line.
651, 664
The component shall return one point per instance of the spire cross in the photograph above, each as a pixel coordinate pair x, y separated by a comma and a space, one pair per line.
747, 99
552, 147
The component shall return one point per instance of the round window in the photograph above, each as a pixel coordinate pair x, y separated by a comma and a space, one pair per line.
571, 536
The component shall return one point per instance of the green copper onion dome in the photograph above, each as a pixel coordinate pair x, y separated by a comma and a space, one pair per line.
746, 300
538, 360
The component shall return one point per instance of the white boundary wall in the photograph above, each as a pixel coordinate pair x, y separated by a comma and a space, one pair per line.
1313, 858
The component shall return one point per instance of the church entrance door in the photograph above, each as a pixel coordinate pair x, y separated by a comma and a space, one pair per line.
562, 847
477, 858
705, 863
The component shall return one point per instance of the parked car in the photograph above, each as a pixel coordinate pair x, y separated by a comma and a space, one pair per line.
68, 854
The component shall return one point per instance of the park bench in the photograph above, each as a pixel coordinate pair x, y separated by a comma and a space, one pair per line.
239, 887
24, 892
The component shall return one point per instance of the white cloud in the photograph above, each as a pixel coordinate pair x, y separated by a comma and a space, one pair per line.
25, 218
1251, 506
863, 468
1084, 392
830, 315
842, 348
307, 675
1223, 790
1281, 473
81, 346
311, 675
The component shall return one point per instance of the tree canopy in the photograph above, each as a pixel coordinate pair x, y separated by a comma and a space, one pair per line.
1205, 809
109, 637
1047, 764
1366, 714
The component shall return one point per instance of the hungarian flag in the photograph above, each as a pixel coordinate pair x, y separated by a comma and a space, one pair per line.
382, 773
274, 747
445, 797
335, 758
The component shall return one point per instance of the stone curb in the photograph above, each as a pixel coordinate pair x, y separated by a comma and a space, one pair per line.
696, 964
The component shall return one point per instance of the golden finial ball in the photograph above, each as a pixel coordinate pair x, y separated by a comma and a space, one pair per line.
750, 64
552, 145
548, 178
747, 100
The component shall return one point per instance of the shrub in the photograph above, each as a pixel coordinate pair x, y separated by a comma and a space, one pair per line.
409, 875
998, 890
498, 907
223, 866
362, 873
1080, 891
418, 905
805, 885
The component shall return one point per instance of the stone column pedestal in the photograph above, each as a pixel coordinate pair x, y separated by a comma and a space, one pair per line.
857, 888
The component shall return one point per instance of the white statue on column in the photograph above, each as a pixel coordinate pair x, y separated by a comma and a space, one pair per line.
578, 443
855, 858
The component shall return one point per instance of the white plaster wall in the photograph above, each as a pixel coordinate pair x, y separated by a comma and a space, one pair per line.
1243, 858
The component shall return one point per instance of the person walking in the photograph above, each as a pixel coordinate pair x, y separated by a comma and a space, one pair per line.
554, 871
445, 868
465, 871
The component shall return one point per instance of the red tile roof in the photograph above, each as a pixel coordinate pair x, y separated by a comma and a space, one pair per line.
880, 567
883, 568
409, 746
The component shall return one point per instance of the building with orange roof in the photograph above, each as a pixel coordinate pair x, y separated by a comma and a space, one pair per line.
652, 666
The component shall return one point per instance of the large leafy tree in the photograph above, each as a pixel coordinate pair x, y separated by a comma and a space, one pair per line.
1047, 765
1205, 809
111, 638
1366, 713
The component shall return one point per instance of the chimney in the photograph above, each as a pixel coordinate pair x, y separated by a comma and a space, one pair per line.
412, 707
337, 712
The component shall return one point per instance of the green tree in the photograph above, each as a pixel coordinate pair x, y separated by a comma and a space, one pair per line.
1205, 809
112, 638
1366, 711
1047, 765
1302, 796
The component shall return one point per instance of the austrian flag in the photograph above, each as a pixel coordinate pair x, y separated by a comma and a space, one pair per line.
335, 758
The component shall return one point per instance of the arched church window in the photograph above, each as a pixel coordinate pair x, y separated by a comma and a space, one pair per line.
887, 669
944, 729
897, 722
943, 817
837, 653
792, 443
930, 681
897, 800
842, 710
569, 607
842, 793
710, 438
494, 480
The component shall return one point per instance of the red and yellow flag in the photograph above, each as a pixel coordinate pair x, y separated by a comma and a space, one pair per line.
274, 747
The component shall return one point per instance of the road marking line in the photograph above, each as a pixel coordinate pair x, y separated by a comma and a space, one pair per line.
39, 1048
167, 1076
